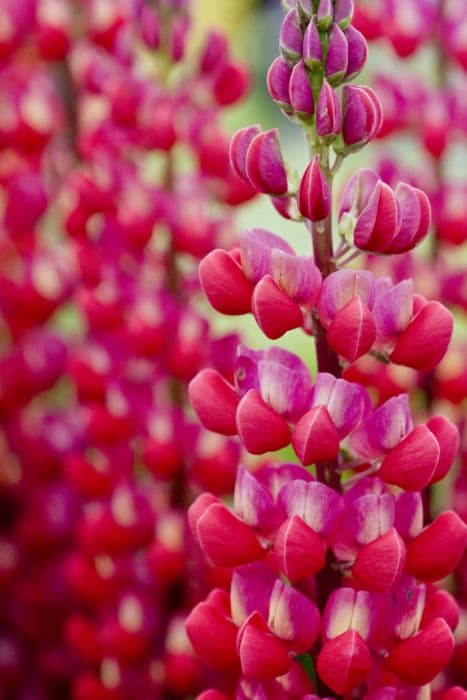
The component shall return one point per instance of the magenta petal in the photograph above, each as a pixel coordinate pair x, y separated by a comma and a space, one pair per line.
347, 403
261, 429
239, 146
424, 342
296, 275
412, 463
378, 222
352, 331
215, 401
252, 503
240, 545
415, 218
343, 12
256, 246
293, 617
315, 503
224, 283
274, 311
393, 309
315, 437
262, 655
298, 550
379, 563
361, 115
447, 436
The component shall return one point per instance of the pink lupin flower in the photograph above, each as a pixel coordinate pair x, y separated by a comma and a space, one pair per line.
212, 633
290, 37
336, 56
293, 617
312, 49
215, 401
262, 654
275, 312
224, 283
357, 52
260, 428
344, 662
361, 116
379, 563
239, 146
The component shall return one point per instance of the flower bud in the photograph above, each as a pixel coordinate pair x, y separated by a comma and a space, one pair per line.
380, 562
264, 164
336, 56
150, 27
324, 15
328, 114
278, 79
437, 550
343, 12
357, 52
215, 401
313, 196
420, 658
300, 92
344, 662
290, 37
315, 437
425, 341
261, 429
224, 284
411, 464
312, 49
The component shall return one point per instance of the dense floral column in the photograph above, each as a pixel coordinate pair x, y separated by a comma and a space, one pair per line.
332, 569
115, 179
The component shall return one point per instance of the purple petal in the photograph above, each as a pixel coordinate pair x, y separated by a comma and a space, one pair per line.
357, 52
317, 504
393, 309
246, 369
274, 478
336, 57
290, 36
252, 502
312, 50
384, 428
370, 516
347, 403
256, 246
250, 591
340, 287
284, 383
293, 617
297, 275
300, 92
409, 514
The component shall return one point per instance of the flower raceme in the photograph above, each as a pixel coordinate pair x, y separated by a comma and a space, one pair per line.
358, 311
